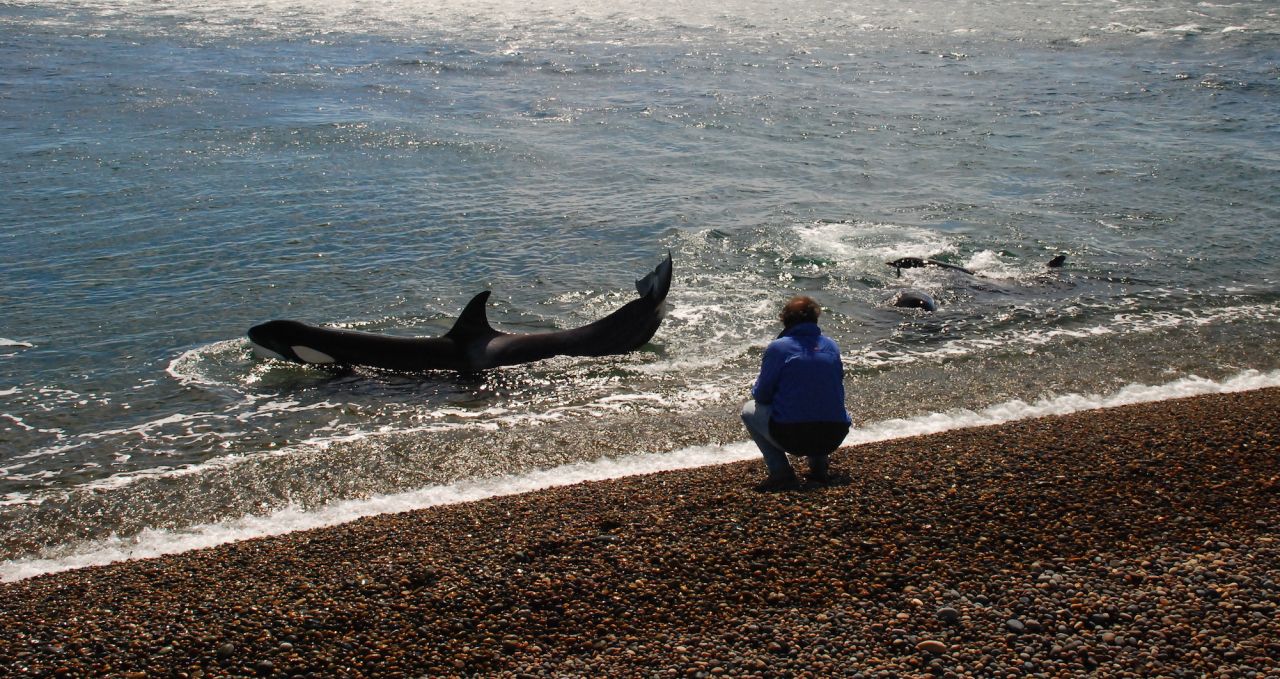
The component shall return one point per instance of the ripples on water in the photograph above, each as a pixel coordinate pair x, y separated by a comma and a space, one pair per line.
177, 173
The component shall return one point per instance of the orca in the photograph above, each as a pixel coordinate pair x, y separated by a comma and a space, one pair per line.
917, 262
472, 345
914, 299
919, 299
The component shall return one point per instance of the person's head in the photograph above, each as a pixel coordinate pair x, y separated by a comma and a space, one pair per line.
800, 309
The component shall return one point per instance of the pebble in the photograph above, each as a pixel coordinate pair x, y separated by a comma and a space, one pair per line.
932, 646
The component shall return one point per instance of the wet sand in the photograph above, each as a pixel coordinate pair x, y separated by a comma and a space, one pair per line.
1137, 541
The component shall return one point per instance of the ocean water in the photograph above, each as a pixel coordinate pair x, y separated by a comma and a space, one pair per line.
175, 172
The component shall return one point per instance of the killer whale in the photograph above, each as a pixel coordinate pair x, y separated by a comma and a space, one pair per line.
914, 299
917, 262
471, 345
919, 299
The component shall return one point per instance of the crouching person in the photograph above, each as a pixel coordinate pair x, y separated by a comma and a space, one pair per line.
797, 404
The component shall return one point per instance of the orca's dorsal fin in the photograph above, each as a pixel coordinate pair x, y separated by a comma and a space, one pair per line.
473, 321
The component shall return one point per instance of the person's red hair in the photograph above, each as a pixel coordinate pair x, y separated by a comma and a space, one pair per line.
800, 309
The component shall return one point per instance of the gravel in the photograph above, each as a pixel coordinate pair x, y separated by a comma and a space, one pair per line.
1132, 542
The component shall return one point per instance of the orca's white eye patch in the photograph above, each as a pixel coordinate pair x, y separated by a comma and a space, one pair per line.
311, 355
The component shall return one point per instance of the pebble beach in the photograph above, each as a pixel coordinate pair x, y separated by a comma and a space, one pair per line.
1138, 541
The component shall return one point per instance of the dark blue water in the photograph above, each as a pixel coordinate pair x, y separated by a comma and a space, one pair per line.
175, 173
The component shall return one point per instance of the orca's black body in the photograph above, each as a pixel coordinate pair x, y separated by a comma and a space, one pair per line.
472, 344
919, 299
914, 299
917, 262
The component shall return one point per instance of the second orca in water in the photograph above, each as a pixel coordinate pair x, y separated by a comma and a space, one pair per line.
919, 299
917, 262
914, 299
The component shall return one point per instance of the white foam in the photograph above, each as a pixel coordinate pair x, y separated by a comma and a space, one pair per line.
991, 264
442, 419
17, 421
144, 431
869, 245
1120, 324
1017, 409
152, 543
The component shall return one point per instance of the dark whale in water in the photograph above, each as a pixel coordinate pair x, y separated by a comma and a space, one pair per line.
472, 344
914, 299
917, 262
919, 299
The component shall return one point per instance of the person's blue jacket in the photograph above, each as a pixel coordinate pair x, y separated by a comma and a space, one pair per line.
802, 378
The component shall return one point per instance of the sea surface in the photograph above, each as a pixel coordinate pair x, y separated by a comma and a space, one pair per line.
175, 172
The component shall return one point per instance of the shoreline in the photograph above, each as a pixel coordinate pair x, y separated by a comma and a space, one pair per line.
43, 553
1129, 541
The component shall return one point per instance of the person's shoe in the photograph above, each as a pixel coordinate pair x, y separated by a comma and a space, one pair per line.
778, 482
819, 473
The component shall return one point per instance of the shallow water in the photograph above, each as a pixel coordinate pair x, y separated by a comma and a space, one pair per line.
177, 172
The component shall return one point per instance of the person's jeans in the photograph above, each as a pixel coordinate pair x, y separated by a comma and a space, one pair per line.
756, 417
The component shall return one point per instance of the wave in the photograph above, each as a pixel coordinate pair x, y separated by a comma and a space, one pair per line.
249, 418
1132, 323
154, 542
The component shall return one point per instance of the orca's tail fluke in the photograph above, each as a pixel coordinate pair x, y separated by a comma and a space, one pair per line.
657, 283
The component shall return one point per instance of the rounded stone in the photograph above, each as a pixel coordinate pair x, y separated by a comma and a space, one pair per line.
932, 646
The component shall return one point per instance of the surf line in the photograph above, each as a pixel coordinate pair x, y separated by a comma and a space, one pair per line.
152, 543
